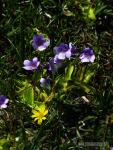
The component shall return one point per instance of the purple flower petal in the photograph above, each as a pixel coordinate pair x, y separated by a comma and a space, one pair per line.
40, 43
41, 48
3, 101
6, 101
92, 58
111, 148
55, 49
87, 55
4, 106
31, 65
26, 62
61, 48
35, 62
45, 82
72, 49
28, 68
68, 54
57, 60
54, 64
47, 43
85, 60
64, 51
61, 56
35, 59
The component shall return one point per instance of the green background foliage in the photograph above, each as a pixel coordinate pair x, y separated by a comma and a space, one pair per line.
71, 119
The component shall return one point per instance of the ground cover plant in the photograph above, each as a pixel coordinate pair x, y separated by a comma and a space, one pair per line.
56, 68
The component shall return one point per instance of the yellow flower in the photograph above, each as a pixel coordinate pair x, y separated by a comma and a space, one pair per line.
39, 113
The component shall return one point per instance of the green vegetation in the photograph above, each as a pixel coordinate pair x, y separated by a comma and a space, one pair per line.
75, 106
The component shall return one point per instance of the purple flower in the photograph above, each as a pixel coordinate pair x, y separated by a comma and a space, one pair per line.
87, 55
54, 64
111, 148
73, 49
61, 48
31, 65
3, 101
40, 43
45, 82
64, 51
56, 60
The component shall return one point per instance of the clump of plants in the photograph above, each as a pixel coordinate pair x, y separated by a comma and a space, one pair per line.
56, 75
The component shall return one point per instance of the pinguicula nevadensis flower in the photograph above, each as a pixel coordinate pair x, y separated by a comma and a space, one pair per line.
54, 64
39, 113
64, 51
87, 55
40, 43
31, 65
45, 82
111, 148
3, 101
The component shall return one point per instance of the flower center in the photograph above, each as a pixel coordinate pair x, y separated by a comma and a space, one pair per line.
40, 41
33, 64
41, 115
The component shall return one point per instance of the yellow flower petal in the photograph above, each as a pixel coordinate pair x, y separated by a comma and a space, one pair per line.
41, 108
39, 114
33, 116
34, 111
35, 119
39, 121
45, 112
44, 118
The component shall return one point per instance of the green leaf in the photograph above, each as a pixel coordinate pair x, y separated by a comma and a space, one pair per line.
78, 134
63, 83
3, 144
88, 76
82, 72
68, 72
26, 93
91, 14
88, 89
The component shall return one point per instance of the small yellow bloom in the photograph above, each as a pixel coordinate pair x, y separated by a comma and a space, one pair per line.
39, 113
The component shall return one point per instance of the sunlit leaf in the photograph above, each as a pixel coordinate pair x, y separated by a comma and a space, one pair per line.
68, 72
91, 14
26, 93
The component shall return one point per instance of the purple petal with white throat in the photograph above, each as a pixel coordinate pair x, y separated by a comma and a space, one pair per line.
68, 54
41, 48
27, 62
92, 58
28, 68
61, 56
